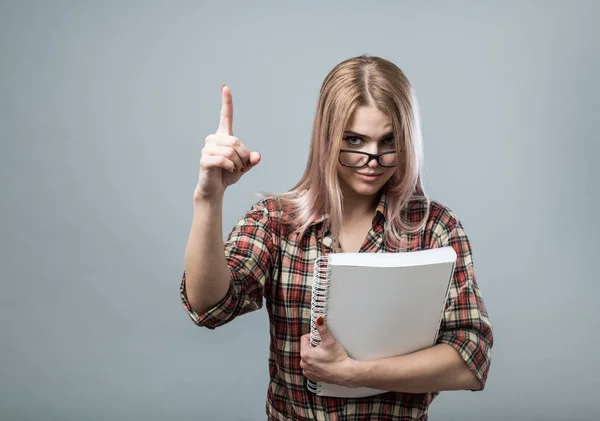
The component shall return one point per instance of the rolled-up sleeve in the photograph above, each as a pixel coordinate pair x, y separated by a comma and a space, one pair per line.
465, 324
250, 251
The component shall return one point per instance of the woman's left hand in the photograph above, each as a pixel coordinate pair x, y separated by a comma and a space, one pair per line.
328, 362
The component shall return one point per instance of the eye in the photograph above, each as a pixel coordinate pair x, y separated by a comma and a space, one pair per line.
389, 141
353, 140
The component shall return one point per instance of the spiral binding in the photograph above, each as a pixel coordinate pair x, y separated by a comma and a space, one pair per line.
320, 298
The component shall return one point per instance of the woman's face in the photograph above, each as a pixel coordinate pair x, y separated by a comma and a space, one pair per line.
369, 130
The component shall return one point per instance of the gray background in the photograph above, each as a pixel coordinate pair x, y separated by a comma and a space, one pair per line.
104, 107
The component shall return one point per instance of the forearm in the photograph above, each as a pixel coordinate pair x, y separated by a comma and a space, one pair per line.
431, 370
207, 274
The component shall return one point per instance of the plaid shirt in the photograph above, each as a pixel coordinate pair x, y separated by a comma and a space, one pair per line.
266, 261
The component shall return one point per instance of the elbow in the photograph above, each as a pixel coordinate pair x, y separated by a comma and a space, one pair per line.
200, 297
471, 381
475, 352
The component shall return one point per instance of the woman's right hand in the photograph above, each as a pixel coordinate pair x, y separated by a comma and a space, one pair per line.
224, 157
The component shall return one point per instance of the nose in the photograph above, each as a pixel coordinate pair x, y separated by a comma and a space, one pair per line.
373, 163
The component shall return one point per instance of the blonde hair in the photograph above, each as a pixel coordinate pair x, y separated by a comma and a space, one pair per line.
359, 81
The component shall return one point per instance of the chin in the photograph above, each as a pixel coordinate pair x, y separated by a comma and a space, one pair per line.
370, 190
366, 188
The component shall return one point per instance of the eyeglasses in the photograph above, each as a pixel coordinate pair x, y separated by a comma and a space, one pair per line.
358, 159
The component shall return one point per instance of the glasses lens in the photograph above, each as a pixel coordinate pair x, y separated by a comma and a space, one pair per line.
353, 159
388, 160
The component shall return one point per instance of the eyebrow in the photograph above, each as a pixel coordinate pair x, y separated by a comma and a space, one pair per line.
364, 136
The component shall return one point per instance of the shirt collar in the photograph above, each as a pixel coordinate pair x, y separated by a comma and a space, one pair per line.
382, 207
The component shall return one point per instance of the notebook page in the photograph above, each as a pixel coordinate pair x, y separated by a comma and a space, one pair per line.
386, 311
413, 258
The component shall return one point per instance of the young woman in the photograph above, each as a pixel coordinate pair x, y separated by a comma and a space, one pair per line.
361, 191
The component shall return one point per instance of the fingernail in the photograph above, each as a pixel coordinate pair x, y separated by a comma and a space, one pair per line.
320, 321
222, 86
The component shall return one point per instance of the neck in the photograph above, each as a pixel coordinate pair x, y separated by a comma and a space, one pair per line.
358, 207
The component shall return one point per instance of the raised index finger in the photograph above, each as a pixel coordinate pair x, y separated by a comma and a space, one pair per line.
226, 120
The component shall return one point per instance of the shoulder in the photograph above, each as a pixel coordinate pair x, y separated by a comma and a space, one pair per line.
438, 219
442, 216
268, 210
258, 224
435, 212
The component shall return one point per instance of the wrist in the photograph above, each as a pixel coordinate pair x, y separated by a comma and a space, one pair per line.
208, 200
352, 372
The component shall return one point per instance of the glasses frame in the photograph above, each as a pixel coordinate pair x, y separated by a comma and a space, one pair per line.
371, 156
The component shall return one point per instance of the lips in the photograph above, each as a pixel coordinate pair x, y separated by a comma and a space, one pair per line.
369, 178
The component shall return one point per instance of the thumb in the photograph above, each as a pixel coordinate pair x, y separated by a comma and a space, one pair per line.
253, 161
321, 326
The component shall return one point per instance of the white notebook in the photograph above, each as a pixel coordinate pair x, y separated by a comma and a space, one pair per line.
380, 305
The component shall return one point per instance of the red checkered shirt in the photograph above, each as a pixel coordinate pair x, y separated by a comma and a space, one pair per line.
267, 262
